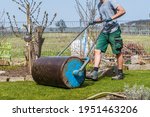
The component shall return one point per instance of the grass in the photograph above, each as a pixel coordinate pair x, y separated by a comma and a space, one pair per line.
56, 42
32, 91
9, 67
53, 44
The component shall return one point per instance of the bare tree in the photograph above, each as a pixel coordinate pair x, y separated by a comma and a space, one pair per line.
61, 25
2, 24
87, 13
34, 28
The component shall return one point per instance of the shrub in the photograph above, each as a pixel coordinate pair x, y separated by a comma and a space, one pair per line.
137, 92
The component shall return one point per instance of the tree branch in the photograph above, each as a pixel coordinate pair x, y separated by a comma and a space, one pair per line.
31, 3
36, 8
38, 14
25, 2
44, 18
11, 25
32, 7
2, 14
22, 5
22, 10
16, 24
46, 21
35, 20
52, 19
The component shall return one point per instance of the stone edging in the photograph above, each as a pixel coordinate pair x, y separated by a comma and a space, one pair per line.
15, 79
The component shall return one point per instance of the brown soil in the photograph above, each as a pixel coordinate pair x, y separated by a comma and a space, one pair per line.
21, 71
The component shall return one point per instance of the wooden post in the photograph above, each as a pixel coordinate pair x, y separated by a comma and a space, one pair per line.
30, 33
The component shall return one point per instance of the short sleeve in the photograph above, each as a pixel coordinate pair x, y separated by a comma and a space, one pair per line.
114, 3
98, 6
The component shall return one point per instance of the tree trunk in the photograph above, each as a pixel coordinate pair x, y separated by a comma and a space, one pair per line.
39, 40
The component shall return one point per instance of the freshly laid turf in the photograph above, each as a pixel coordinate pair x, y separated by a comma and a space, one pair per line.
32, 91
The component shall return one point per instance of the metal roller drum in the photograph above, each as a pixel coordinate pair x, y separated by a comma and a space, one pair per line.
58, 71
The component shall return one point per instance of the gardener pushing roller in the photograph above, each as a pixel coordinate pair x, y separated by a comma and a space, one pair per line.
109, 11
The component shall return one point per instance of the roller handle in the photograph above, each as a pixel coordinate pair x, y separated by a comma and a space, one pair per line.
79, 72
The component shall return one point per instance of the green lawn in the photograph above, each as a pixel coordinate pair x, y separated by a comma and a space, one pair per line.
54, 43
32, 91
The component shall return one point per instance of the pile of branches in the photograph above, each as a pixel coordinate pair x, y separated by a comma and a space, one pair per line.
133, 48
130, 49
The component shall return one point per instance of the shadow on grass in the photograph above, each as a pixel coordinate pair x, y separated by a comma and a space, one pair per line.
87, 82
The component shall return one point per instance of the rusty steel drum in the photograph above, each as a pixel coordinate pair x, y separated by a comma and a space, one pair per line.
58, 71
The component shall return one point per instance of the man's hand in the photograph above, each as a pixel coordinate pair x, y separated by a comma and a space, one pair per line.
95, 22
108, 20
92, 22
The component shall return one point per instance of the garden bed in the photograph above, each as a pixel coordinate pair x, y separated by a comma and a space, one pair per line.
14, 73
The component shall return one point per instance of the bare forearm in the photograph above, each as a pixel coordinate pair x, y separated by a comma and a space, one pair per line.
120, 12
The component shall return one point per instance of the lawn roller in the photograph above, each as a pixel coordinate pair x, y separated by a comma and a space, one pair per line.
60, 71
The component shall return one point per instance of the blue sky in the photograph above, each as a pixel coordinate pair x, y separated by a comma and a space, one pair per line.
136, 9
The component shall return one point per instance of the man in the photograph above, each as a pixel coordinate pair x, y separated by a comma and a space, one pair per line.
109, 11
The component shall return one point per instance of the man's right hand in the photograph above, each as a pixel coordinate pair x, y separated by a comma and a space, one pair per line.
92, 22
98, 20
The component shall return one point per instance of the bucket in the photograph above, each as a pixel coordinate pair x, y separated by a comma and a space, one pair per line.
58, 71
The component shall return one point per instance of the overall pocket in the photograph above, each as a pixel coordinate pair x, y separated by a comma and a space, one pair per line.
118, 43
